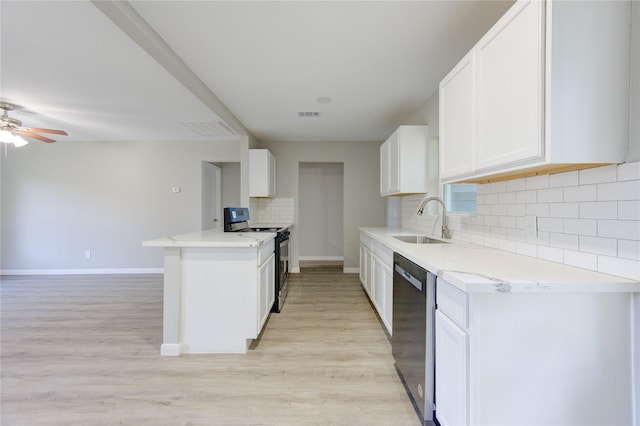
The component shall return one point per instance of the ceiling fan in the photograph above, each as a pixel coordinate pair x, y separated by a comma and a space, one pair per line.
11, 130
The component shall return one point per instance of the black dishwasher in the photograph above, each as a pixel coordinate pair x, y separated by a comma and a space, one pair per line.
412, 340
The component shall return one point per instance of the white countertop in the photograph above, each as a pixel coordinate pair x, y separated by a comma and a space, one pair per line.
215, 237
474, 268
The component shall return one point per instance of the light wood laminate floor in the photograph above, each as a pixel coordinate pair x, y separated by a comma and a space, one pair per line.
84, 350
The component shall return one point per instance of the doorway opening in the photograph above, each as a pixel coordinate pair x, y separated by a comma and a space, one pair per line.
220, 188
321, 214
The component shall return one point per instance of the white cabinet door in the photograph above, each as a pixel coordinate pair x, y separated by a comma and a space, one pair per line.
266, 291
457, 119
363, 265
509, 72
262, 173
389, 180
404, 162
366, 276
387, 317
378, 285
452, 345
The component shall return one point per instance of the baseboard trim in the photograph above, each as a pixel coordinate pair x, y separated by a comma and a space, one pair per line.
351, 270
113, 271
322, 258
171, 349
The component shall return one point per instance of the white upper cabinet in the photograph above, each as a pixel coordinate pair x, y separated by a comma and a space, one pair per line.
541, 92
403, 162
262, 173
509, 67
457, 115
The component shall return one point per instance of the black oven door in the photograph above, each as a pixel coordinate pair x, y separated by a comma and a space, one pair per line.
282, 272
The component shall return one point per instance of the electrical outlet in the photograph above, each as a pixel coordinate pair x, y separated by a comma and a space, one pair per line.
87, 254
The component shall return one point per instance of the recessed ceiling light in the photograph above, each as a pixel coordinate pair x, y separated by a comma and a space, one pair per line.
323, 100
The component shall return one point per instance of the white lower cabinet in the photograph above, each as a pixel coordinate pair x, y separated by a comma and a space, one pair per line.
383, 291
365, 269
266, 290
451, 373
376, 276
533, 358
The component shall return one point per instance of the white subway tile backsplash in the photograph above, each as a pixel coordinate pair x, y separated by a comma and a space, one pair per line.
627, 190
564, 241
492, 220
588, 218
516, 185
541, 238
598, 245
553, 195
621, 229
507, 221
629, 171
564, 210
599, 175
629, 249
490, 199
507, 198
581, 226
629, 210
498, 232
599, 210
499, 210
527, 249
484, 189
537, 182
517, 235
549, 224
540, 210
563, 179
483, 209
526, 197
581, 260
552, 254
516, 210
499, 187
619, 267
580, 193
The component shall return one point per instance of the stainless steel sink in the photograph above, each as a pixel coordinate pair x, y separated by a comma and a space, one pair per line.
418, 239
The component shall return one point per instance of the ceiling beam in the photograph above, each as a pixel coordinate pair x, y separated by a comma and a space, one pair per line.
136, 27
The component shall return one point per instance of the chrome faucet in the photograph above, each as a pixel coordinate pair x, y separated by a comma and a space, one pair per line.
445, 228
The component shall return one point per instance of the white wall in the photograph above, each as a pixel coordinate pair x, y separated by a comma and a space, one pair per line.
321, 211
62, 199
231, 184
363, 205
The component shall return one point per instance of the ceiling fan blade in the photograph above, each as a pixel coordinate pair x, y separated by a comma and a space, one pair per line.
37, 130
34, 136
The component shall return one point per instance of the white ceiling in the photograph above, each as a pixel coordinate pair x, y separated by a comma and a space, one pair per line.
138, 71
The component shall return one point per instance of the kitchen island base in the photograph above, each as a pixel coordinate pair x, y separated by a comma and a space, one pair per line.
217, 295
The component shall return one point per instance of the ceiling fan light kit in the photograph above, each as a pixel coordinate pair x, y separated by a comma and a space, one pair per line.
11, 130
7, 137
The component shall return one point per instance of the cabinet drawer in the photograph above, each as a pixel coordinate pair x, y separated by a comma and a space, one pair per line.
383, 253
452, 302
265, 251
365, 240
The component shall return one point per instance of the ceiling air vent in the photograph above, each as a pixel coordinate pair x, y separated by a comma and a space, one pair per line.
308, 114
210, 128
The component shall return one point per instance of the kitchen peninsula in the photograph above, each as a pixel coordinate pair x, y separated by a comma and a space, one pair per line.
218, 290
